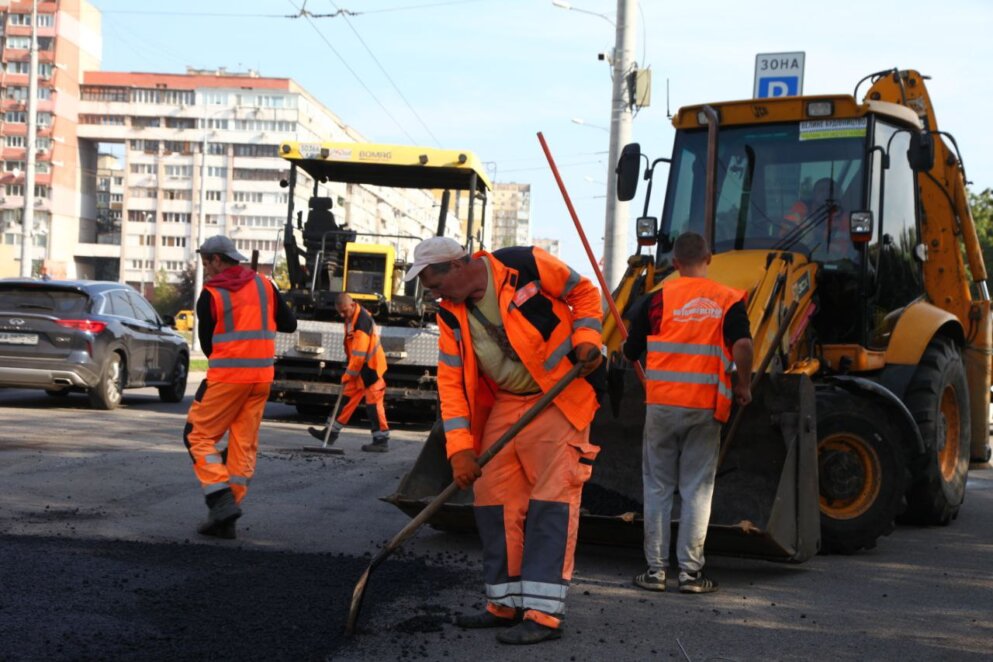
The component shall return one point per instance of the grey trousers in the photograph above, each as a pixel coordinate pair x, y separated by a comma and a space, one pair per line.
680, 447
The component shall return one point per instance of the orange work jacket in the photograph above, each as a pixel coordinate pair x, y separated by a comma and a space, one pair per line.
244, 341
688, 363
547, 309
363, 350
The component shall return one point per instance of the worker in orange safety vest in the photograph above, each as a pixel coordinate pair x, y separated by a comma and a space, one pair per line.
511, 324
363, 377
239, 313
691, 331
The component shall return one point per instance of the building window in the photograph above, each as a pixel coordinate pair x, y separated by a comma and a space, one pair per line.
139, 216
179, 171
214, 98
181, 123
175, 217
104, 93
147, 146
44, 20
177, 146
44, 119
256, 150
177, 194
15, 116
15, 190
19, 68
16, 92
43, 144
248, 196
11, 166
45, 70
19, 43
146, 122
212, 123
258, 175
217, 149
14, 141
142, 168
217, 171
215, 196
174, 242
104, 120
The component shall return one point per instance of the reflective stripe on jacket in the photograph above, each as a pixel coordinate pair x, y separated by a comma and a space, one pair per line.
547, 309
688, 363
363, 349
244, 341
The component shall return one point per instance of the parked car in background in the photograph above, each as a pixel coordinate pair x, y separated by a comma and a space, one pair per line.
91, 336
184, 320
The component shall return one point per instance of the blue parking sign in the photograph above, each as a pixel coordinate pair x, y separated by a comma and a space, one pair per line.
778, 75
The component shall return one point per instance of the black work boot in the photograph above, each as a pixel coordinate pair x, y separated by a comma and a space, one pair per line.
529, 632
318, 433
486, 619
221, 516
379, 444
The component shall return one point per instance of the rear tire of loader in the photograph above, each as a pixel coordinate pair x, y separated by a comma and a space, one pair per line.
861, 472
938, 399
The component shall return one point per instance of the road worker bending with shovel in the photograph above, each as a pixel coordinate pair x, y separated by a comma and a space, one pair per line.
512, 323
363, 376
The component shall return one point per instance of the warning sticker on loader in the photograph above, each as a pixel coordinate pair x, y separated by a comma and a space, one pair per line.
827, 129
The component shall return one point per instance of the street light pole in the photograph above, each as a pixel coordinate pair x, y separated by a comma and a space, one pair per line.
27, 216
198, 239
616, 218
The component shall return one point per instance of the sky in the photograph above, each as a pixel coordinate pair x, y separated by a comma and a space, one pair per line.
487, 75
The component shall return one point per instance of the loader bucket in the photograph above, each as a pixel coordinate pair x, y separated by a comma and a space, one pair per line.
765, 497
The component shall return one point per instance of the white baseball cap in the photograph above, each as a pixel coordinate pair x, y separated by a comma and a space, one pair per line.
436, 250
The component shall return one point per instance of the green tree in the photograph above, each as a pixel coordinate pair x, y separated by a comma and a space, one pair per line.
187, 287
982, 214
165, 295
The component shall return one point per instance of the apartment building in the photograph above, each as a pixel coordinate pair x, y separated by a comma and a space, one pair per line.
510, 220
206, 142
68, 34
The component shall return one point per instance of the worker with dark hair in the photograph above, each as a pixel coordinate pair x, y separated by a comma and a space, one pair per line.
511, 324
239, 313
690, 344
363, 377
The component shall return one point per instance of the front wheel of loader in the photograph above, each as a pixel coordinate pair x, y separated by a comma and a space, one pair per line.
861, 473
938, 399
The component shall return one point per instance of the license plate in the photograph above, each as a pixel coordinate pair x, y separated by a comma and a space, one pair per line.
19, 338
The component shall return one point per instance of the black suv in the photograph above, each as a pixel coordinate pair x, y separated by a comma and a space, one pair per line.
93, 336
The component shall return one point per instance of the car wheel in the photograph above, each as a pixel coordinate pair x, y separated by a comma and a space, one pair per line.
176, 390
107, 393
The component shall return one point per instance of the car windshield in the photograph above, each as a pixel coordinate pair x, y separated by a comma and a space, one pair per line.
787, 186
42, 299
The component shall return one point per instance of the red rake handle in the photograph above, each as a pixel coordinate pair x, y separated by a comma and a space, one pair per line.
589, 252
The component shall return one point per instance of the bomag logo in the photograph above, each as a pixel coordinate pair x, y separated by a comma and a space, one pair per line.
375, 156
698, 310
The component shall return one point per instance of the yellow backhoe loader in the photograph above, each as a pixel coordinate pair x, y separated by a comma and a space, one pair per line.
848, 225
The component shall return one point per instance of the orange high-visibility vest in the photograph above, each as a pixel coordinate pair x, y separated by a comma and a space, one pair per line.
688, 363
547, 309
244, 341
363, 348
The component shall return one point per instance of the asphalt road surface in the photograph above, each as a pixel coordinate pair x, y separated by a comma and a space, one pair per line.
99, 558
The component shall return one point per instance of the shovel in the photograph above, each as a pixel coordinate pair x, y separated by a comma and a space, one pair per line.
325, 448
446, 494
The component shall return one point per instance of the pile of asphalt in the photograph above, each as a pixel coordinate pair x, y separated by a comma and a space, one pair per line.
63, 599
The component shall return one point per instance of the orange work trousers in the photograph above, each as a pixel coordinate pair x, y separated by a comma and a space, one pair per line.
355, 391
219, 408
535, 485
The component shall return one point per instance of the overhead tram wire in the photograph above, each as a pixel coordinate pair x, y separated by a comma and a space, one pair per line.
388, 77
354, 74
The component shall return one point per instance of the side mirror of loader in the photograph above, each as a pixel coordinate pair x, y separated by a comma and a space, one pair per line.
920, 154
628, 166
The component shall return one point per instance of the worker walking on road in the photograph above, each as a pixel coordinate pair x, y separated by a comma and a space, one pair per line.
239, 313
363, 376
691, 341
512, 323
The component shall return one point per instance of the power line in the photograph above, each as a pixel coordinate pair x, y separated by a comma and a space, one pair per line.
354, 74
388, 77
